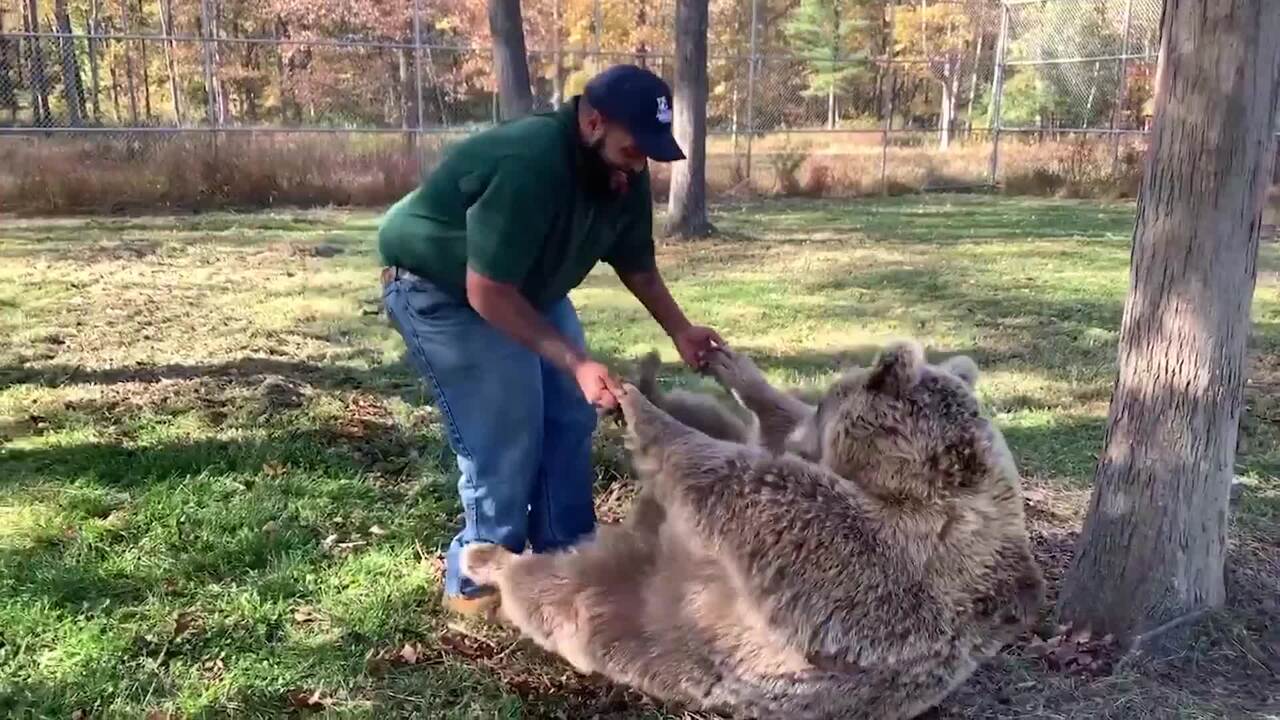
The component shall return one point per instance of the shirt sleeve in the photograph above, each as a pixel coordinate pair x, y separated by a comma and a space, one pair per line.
632, 250
508, 223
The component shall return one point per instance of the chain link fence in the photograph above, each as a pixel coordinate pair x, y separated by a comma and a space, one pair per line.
805, 97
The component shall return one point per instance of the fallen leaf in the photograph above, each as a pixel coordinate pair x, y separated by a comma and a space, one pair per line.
409, 653
377, 531
79, 715
273, 469
184, 621
309, 700
307, 614
158, 714
271, 528
328, 542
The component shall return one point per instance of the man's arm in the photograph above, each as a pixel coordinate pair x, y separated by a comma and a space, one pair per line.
502, 306
691, 340
652, 292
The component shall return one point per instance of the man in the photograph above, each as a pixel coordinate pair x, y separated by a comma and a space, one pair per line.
480, 259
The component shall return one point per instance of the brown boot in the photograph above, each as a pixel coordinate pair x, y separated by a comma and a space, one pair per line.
482, 606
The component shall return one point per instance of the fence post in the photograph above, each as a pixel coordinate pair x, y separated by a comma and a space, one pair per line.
997, 90
417, 61
751, 83
1121, 87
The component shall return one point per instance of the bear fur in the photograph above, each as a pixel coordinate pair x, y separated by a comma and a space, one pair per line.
863, 572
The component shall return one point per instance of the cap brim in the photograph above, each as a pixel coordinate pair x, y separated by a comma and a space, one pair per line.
659, 146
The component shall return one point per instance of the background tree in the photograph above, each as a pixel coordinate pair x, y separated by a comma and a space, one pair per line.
687, 201
941, 38
832, 35
1154, 540
511, 64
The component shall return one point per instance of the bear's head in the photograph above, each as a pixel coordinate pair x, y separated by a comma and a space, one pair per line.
905, 429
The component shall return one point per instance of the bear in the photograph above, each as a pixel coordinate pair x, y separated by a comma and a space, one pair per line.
864, 577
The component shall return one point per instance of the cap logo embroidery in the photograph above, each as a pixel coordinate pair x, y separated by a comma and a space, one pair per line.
664, 111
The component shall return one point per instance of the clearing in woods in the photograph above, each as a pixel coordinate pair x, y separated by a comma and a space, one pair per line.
223, 493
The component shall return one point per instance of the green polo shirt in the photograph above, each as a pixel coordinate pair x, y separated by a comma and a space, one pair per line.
510, 202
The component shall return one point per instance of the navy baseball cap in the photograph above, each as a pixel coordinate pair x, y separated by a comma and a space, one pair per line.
640, 101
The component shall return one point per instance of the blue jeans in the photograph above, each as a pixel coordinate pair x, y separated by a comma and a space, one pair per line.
520, 427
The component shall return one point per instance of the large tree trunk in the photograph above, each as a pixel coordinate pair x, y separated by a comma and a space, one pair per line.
687, 203
166, 27
35, 61
557, 53
510, 62
1154, 540
72, 91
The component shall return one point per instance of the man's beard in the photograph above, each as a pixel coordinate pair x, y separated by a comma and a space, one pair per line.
597, 174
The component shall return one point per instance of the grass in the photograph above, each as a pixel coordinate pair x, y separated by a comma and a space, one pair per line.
223, 493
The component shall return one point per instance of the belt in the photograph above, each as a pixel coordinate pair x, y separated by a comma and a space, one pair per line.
392, 272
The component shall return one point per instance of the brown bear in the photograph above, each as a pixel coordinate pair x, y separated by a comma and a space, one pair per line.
864, 577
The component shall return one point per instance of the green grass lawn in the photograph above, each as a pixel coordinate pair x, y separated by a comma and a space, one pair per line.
223, 493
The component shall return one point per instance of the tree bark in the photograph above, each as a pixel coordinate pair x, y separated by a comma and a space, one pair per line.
128, 64
71, 84
94, 81
146, 72
687, 202
557, 45
166, 27
510, 61
1154, 541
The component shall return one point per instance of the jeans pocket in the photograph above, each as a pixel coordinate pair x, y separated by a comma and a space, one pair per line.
424, 300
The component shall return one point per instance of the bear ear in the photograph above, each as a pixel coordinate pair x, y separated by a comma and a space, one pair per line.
964, 368
897, 369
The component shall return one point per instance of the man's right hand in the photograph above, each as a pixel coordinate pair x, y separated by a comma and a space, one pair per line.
597, 384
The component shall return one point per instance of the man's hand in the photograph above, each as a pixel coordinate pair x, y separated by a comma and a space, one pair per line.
597, 384
694, 342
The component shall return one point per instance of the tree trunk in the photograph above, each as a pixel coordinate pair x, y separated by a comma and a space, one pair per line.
642, 21
72, 91
117, 113
557, 76
510, 62
8, 94
219, 82
35, 60
1154, 541
94, 80
128, 64
945, 110
687, 202
973, 84
146, 72
166, 27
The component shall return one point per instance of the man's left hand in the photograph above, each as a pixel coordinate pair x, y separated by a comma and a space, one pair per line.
694, 342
